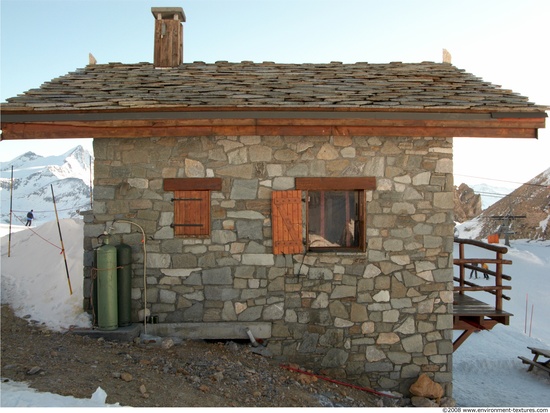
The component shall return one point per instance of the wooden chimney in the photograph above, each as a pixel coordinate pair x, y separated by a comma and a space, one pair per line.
168, 36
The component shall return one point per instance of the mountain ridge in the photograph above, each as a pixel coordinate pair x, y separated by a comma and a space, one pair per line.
33, 178
527, 209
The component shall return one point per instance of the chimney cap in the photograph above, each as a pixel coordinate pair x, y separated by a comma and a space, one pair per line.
170, 13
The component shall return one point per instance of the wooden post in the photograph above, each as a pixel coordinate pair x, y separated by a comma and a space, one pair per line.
498, 282
61, 239
11, 211
347, 235
461, 266
322, 217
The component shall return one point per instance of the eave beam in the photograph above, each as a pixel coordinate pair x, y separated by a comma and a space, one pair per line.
51, 126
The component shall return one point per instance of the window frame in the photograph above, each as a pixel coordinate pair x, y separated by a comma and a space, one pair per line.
340, 184
360, 202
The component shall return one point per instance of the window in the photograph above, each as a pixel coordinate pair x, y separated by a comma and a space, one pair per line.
335, 210
335, 219
192, 204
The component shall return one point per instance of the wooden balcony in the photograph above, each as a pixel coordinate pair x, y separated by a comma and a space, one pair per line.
471, 314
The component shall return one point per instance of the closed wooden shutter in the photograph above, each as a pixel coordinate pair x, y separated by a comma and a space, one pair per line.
286, 221
192, 212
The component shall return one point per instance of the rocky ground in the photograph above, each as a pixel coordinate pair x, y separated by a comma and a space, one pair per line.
189, 373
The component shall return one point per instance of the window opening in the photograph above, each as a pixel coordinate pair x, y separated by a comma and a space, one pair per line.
336, 212
334, 219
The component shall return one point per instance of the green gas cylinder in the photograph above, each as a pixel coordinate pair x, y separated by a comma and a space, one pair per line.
107, 307
124, 284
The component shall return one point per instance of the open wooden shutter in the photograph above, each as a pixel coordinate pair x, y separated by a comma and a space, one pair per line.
286, 221
192, 212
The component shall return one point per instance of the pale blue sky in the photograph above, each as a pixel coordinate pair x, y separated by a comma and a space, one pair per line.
502, 41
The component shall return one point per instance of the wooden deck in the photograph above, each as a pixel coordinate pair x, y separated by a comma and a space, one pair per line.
471, 314
471, 310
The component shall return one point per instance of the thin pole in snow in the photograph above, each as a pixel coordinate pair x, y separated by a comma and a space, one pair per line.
531, 324
526, 311
11, 211
61, 239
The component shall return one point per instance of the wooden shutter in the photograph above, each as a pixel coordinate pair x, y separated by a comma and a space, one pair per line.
286, 221
192, 212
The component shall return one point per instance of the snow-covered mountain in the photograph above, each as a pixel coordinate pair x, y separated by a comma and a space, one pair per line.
529, 207
33, 179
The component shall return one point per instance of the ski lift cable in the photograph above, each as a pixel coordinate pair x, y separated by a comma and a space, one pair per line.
38, 235
502, 180
51, 210
47, 211
495, 195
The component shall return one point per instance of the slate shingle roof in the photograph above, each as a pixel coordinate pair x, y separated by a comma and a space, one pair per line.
397, 86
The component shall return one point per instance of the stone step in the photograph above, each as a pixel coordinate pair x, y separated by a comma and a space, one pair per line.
211, 331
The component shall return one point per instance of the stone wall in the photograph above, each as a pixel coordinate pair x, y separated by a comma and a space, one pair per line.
378, 318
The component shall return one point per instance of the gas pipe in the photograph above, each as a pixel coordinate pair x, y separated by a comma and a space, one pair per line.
124, 284
107, 311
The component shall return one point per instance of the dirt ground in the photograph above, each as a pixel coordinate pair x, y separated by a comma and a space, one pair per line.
189, 373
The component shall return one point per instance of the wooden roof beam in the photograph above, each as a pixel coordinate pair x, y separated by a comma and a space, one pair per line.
527, 128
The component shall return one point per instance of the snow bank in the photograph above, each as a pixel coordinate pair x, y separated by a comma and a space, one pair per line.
16, 394
34, 277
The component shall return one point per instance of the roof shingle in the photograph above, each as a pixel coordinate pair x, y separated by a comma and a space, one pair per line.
394, 86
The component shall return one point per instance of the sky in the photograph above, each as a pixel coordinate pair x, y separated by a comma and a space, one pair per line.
486, 368
501, 41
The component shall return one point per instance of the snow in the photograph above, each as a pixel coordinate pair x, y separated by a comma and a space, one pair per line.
16, 394
486, 368
34, 278
469, 229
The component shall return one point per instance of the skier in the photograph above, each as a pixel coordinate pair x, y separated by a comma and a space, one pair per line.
30, 217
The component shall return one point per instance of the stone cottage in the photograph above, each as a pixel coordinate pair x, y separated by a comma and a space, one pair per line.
309, 203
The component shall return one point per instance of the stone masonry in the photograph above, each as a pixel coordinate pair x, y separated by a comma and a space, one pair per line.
379, 318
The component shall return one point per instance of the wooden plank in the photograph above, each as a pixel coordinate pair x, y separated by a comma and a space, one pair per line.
462, 338
480, 288
349, 121
466, 282
458, 261
484, 245
466, 323
336, 184
532, 364
489, 272
272, 116
154, 128
465, 305
286, 222
187, 184
540, 351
